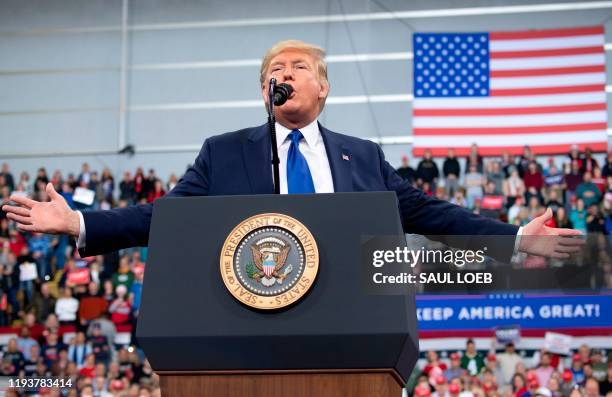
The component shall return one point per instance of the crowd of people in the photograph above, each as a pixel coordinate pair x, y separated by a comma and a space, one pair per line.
66, 309
516, 189
504, 372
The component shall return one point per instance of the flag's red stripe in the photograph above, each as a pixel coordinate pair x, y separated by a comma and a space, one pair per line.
553, 52
513, 150
548, 71
548, 90
511, 130
526, 332
509, 111
542, 34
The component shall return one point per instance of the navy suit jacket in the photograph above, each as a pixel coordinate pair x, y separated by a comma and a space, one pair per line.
239, 162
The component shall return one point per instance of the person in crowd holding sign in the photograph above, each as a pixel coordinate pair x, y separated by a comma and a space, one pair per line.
506, 361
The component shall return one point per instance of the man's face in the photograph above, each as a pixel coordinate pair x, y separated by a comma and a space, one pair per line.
34, 351
298, 69
591, 389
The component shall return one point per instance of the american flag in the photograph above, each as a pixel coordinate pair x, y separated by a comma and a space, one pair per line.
505, 90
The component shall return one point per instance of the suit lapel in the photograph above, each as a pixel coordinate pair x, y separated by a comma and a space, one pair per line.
256, 150
339, 160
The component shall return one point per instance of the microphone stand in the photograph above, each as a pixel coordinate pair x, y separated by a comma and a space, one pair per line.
271, 124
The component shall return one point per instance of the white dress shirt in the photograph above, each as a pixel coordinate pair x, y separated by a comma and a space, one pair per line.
312, 148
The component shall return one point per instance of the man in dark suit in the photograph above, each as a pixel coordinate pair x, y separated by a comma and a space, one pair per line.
313, 159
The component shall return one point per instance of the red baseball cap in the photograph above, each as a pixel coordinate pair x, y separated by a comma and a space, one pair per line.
422, 391
455, 356
491, 357
576, 357
454, 388
440, 380
487, 386
567, 376
117, 385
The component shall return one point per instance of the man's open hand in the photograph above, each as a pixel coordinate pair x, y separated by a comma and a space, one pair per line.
541, 240
54, 217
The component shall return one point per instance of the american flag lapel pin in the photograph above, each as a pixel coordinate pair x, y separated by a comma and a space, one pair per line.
345, 157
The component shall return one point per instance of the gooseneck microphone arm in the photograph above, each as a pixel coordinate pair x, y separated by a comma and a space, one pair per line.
272, 126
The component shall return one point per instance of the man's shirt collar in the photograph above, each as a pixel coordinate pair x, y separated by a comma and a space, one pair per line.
310, 132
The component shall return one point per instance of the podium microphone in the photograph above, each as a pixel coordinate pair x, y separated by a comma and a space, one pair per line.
282, 92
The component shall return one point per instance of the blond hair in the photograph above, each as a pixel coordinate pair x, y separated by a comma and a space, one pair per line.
316, 52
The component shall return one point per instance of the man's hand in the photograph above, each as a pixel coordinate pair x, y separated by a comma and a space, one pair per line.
53, 217
541, 240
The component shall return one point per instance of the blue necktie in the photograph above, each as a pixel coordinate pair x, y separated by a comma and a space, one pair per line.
299, 179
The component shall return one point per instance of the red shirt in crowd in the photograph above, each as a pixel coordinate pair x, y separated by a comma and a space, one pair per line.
92, 307
600, 183
120, 311
533, 180
37, 331
16, 244
88, 372
572, 181
153, 195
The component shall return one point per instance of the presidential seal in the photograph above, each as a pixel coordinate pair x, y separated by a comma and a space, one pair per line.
269, 261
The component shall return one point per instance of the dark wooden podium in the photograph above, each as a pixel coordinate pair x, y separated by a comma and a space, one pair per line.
338, 340
295, 383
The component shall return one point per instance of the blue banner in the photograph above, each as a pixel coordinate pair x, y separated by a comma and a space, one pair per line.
436, 312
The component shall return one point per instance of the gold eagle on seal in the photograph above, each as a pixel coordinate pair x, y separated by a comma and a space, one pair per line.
270, 256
